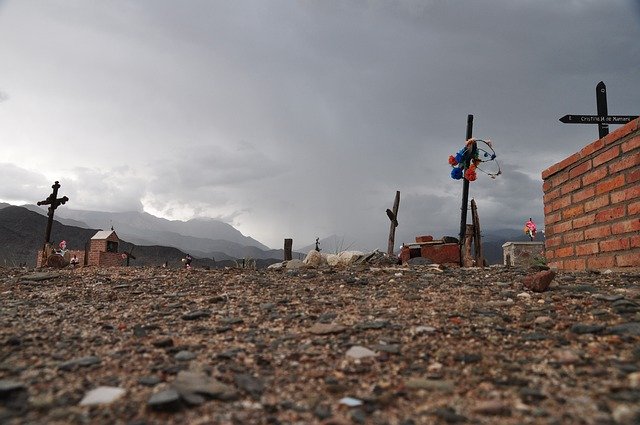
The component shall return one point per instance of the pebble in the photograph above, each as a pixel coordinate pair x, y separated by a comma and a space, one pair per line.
184, 355
326, 328
430, 384
197, 314
102, 395
165, 400
359, 352
79, 362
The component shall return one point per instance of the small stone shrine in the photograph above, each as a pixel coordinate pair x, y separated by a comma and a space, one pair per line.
522, 254
103, 249
441, 251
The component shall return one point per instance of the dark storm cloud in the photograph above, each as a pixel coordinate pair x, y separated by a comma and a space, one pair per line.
303, 118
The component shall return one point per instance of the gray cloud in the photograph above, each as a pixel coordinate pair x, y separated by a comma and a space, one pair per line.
302, 119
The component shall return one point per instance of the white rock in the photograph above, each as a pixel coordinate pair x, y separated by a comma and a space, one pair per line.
350, 401
102, 395
333, 259
349, 257
276, 266
524, 295
314, 259
359, 352
294, 264
423, 330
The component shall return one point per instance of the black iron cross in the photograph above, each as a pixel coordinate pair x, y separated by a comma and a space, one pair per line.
54, 202
602, 119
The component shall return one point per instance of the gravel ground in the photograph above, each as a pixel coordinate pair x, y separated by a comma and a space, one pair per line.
399, 345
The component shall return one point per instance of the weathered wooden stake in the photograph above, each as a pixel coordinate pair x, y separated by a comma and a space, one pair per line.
465, 189
465, 257
393, 216
288, 244
477, 241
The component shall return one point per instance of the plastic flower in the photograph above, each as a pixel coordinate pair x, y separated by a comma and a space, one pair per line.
456, 173
452, 161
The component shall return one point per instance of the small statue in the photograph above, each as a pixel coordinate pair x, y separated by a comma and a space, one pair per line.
530, 229
318, 244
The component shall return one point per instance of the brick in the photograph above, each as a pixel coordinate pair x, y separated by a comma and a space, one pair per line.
627, 161
426, 238
570, 186
594, 176
606, 156
610, 214
573, 237
441, 254
591, 148
620, 132
559, 178
572, 212
549, 254
610, 184
546, 186
549, 196
633, 208
596, 203
565, 163
597, 232
627, 226
560, 203
583, 194
634, 241
577, 264
602, 261
554, 241
566, 251
631, 144
633, 176
587, 249
555, 264
562, 227
551, 218
583, 221
614, 245
625, 194
631, 259
580, 169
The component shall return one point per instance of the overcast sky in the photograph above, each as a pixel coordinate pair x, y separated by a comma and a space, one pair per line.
302, 118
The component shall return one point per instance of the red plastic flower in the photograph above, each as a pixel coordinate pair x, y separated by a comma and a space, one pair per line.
452, 161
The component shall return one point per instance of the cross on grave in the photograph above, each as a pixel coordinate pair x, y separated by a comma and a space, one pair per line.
54, 202
602, 119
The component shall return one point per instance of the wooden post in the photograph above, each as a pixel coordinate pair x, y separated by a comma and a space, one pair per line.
477, 241
465, 187
466, 258
393, 216
288, 244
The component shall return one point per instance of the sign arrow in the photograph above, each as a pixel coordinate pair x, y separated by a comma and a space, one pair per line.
598, 119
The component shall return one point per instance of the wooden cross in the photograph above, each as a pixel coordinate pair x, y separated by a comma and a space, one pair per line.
54, 202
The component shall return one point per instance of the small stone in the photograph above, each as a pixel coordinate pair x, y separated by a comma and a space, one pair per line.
418, 330
184, 355
358, 352
326, 328
250, 384
7, 386
163, 342
585, 328
430, 384
350, 401
539, 282
493, 407
566, 356
168, 400
102, 395
524, 295
80, 362
631, 328
543, 320
198, 314
149, 381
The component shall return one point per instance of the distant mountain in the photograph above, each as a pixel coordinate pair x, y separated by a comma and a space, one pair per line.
141, 224
22, 233
201, 237
44, 211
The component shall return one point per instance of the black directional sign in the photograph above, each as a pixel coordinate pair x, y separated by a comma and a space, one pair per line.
596, 119
603, 119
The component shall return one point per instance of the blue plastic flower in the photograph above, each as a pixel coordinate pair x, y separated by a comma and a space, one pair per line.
456, 173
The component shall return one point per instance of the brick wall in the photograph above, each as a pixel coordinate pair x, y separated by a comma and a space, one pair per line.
592, 204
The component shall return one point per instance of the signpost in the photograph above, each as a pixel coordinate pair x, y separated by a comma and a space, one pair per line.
602, 119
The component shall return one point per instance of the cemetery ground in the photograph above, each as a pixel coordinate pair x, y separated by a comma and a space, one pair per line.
397, 345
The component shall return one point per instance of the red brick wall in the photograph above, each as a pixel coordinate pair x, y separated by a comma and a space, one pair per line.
592, 204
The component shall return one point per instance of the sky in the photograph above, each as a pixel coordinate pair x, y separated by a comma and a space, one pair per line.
302, 118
